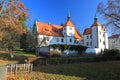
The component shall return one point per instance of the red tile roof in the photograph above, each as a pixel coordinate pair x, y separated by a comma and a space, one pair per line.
78, 35
49, 29
114, 36
53, 30
96, 23
87, 31
69, 23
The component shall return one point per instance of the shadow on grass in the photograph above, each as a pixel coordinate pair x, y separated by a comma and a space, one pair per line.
20, 57
87, 71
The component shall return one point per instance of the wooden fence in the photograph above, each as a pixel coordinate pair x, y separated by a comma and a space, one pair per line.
19, 68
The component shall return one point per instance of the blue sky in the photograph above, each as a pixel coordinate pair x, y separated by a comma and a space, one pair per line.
55, 11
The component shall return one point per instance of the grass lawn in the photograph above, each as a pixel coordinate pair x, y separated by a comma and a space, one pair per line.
109, 70
19, 57
81, 71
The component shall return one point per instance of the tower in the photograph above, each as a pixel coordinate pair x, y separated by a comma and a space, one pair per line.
69, 30
99, 36
94, 33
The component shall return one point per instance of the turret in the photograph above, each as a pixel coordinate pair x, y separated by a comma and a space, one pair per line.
68, 29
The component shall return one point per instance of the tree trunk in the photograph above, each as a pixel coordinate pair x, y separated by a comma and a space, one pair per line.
11, 52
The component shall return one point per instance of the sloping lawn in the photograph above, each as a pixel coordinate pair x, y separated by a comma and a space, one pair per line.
90, 71
80, 71
19, 57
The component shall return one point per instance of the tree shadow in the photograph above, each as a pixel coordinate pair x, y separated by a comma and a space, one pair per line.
40, 65
84, 70
18, 58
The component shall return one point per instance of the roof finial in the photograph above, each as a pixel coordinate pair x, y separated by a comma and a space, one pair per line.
95, 17
68, 14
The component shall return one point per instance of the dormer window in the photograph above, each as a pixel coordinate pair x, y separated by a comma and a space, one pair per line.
56, 30
46, 29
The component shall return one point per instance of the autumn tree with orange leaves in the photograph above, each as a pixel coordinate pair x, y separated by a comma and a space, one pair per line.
13, 15
111, 13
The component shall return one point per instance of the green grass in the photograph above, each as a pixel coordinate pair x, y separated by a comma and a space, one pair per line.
81, 71
22, 53
85, 71
19, 56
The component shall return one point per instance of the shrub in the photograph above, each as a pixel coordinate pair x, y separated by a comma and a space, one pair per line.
55, 53
111, 52
78, 48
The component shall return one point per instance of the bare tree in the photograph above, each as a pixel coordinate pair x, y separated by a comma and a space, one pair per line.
40, 43
111, 13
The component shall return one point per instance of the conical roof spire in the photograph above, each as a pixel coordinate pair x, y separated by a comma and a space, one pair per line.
96, 23
95, 18
68, 17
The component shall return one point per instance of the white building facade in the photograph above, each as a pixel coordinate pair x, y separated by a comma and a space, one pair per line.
114, 41
50, 34
96, 37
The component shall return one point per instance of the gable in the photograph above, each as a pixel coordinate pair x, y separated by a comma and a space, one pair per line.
87, 31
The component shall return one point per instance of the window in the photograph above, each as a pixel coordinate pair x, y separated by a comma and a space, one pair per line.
99, 32
70, 28
62, 40
70, 40
87, 43
103, 42
103, 35
91, 43
70, 33
57, 39
47, 39
64, 33
87, 37
90, 37
74, 41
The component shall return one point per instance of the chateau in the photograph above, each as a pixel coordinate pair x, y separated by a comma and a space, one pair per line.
96, 36
50, 34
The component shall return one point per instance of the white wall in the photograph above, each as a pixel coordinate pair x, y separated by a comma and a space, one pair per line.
102, 38
106, 41
56, 40
87, 39
94, 37
114, 43
70, 31
99, 39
